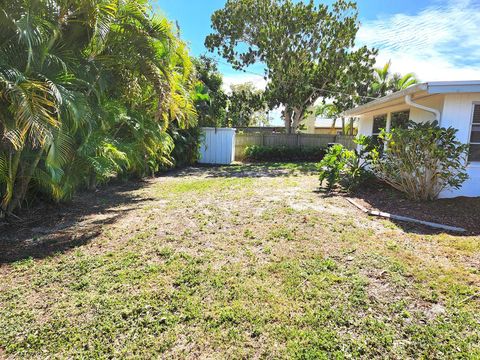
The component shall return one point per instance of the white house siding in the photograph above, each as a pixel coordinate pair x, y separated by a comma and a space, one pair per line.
457, 112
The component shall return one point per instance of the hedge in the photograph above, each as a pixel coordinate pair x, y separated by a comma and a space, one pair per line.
283, 153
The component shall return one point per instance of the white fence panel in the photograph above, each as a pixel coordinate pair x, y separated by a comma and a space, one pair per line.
218, 146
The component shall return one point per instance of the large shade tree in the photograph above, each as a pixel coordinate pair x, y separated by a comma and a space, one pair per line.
308, 50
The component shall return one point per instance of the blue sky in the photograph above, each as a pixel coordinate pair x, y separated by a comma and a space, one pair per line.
436, 39
418, 35
193, 16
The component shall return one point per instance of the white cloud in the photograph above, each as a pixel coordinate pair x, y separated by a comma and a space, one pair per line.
438, 43
234, 79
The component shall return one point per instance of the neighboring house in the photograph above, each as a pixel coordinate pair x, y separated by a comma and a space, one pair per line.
317, 125
452, 103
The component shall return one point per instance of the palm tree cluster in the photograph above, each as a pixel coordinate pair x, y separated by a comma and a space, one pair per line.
385, 82
89, 89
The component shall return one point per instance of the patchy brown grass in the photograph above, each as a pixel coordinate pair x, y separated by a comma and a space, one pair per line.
234, 262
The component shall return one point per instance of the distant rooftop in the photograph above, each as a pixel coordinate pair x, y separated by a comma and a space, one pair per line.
327, 123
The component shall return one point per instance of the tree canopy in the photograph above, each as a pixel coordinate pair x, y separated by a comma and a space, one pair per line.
308, 50
246, 106
210, 99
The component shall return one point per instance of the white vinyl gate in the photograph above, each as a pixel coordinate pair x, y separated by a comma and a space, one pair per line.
218, 146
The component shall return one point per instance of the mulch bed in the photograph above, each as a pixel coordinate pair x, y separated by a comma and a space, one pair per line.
460, 212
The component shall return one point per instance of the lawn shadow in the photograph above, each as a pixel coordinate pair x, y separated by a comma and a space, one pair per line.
47, 229
251, 170
458, 212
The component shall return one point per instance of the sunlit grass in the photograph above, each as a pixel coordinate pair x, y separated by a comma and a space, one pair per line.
227, 267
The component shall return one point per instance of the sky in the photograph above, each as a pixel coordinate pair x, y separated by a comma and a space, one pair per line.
435, 39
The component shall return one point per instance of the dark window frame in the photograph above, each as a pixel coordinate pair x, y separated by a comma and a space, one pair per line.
373, 123
475, 107
407, 111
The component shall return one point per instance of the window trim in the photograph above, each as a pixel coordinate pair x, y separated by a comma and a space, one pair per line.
472, 113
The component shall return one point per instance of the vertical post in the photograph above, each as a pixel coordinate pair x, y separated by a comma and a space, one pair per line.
388, 127
298, 139
263, 139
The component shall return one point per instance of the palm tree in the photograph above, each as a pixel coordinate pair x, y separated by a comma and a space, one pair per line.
329, 111
385, 82
382, 82
88, 89
400, 82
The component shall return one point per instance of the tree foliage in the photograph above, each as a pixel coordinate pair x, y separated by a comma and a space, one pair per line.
88, 90
378, 83
243, 106
307, 49
246, 106
210, 99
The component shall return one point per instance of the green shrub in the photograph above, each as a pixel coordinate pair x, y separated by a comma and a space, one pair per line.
187, 145
347, 168
421, 160
283, 153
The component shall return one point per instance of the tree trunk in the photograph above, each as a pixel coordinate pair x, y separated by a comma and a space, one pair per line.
287, 118
297, 118
92, 181
21, 189
13, 165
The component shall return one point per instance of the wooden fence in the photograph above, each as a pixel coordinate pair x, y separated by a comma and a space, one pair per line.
292, 140
346, 140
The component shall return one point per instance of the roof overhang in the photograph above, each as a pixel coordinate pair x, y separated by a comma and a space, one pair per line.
428, 88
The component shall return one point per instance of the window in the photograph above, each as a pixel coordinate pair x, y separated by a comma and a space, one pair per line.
379, 122
400, 119
474, 153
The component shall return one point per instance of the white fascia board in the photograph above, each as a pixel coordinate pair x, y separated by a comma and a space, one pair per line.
446, 87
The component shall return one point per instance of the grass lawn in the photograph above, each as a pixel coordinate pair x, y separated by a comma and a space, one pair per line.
234, 262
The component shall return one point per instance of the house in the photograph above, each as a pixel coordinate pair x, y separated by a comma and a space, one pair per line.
317, 125
452, 103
